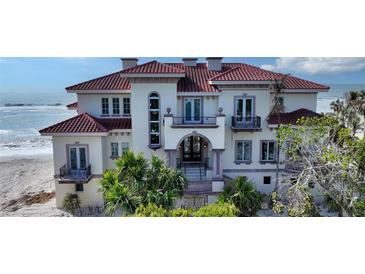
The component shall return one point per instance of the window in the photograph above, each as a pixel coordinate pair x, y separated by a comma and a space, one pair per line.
267, 180
114, 147
125, 148
105, 106
79, 187
243, 151
267, 151
116, 106
244, 109
126, 106
154, 119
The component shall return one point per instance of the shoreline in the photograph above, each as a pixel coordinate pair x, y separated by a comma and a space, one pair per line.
27, 186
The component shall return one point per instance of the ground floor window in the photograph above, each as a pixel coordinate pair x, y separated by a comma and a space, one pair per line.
79, 187
267, 151
243, 151
125, 148
114, 148
267, 180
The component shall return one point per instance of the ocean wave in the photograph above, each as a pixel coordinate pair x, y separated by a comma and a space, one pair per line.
31, 105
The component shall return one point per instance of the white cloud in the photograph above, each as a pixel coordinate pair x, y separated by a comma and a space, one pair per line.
318, 65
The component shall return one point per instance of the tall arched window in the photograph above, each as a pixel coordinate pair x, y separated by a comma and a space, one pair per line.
154, 119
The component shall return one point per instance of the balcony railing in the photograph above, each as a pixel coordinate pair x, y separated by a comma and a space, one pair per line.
246, 123
75, 175
192, 122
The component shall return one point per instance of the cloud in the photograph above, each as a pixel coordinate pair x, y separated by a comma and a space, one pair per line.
317, 65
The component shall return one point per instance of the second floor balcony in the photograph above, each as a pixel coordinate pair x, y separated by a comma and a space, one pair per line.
240, 123
80, 175
194, 122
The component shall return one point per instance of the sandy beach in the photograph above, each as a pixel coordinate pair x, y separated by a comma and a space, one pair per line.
27, 187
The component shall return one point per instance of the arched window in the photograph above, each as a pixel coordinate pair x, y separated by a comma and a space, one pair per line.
154, 119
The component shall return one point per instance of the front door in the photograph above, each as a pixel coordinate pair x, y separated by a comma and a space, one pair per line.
192, 149
192, 109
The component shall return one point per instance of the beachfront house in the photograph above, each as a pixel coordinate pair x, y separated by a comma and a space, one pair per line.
213, 120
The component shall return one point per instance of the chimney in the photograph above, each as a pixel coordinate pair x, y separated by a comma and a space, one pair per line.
214, 63
190, 62
129, 62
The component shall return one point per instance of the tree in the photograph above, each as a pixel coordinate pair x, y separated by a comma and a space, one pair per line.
328, 155
135, 181
243, 194
350, 111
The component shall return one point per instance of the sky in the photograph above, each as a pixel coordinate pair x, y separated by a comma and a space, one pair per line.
58, 73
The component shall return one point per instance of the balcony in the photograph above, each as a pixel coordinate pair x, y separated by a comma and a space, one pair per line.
197, 122
82, 175
240, 123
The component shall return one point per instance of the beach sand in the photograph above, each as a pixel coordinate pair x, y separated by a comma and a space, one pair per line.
27, 187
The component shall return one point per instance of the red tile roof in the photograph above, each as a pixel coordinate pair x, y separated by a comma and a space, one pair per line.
245, 72
196, 78
85, 123
72, 105
108, 82
153, 67
291, 117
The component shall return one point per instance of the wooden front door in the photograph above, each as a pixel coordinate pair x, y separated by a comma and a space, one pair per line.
192, 149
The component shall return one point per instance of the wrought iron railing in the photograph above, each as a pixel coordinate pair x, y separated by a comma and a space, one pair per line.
75, 174
246, 122
194, 120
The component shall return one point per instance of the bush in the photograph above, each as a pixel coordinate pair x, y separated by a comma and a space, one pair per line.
219, 209
358, 208
151, 210
331, 203
243, 194
71, 202
181, 212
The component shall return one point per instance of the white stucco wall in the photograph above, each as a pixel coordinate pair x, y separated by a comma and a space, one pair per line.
89, 197
91, 103
294, 101
116, 137
140, 114
95, 152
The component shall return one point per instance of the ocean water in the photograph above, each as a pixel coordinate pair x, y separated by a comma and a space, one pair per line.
24, 112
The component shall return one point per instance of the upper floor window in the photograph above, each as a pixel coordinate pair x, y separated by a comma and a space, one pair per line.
116, 106
114, 149
126, 106
243, 151
268, 151
244, 108
105, 106
154, 119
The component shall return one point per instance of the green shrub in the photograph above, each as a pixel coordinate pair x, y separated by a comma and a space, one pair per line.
358, 208
151, 210
277, 205
243, 194
181, 212
220, 209
71, 202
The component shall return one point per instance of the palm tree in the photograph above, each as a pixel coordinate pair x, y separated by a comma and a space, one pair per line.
340, 110
243, 194
135, 182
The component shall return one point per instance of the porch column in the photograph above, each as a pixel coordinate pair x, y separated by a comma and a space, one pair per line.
217, 163
220, 164
171, 158
215, 166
